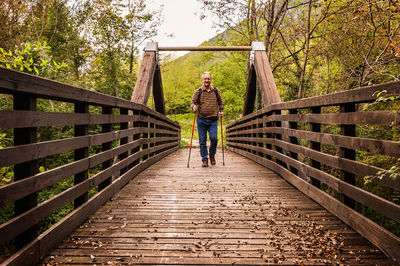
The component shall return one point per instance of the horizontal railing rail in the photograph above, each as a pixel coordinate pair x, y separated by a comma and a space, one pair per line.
321, 146
106, 141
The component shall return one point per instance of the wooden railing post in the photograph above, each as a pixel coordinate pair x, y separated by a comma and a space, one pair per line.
145, 136
260, 125
23, 170
315, 127
152, 135
254, 135
106, 146
278, 124
269, 136
348, 130
157, 135
123, 141
81, 130
293, 140
247, 135
136, 124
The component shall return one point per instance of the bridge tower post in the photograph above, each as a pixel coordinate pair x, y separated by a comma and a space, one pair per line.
149, 76
260, 73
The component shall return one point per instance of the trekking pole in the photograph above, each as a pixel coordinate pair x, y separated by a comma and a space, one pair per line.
191, 139
222, 143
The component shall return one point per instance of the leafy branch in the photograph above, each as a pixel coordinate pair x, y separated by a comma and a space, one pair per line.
31, 58
394, 171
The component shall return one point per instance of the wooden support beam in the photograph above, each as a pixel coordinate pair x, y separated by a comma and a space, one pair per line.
265, 79
315, 127
141, 92
348, 130
294, 140
105, 128
123, 141
81, 153
24, 170
251, 91
206, 48
158, 92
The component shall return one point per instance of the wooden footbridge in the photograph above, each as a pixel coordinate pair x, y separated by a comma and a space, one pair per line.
289, 194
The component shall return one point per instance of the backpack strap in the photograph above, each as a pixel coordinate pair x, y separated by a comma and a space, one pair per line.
201, 91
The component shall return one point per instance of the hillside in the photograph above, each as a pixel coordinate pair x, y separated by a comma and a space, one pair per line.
228, 70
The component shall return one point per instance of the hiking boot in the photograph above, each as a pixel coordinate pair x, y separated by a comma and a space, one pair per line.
205, 163
212, 160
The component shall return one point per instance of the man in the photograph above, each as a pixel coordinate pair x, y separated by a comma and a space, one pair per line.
208, 104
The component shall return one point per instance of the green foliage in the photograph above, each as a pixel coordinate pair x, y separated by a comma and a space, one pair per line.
392, 168
393, 173
186, 123
181, 77
6, 173
50, 192
229, 76
31, 58
183, 143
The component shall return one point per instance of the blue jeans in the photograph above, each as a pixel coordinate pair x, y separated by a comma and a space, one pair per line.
204, 125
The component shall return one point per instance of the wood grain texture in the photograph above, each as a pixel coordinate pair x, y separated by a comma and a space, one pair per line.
251, 91
26, 169
170, 214
18, 154
12, 81
355, 167
265, 79
26, 220
22, 119
376, 234
384, 147
158, 91
359, 118
47, 240
15, 82
144, 81
357, 95
381, 205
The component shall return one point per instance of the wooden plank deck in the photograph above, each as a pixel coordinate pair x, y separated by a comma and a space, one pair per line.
241, 213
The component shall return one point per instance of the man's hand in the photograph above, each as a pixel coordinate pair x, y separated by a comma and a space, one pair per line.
221, 114
195, 108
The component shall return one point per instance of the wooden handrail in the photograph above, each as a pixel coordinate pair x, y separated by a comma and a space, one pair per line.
115, 120
299, 155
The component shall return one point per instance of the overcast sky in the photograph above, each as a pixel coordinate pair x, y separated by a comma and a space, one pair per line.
180, 19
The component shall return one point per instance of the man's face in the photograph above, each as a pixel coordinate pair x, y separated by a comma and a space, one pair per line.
206, 79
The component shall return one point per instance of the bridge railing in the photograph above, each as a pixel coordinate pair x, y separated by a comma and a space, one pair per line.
317, 145
103, 142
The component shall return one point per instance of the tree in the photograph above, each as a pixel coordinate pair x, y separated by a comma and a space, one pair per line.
239, 16
141, 25
366, 40
12, 17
